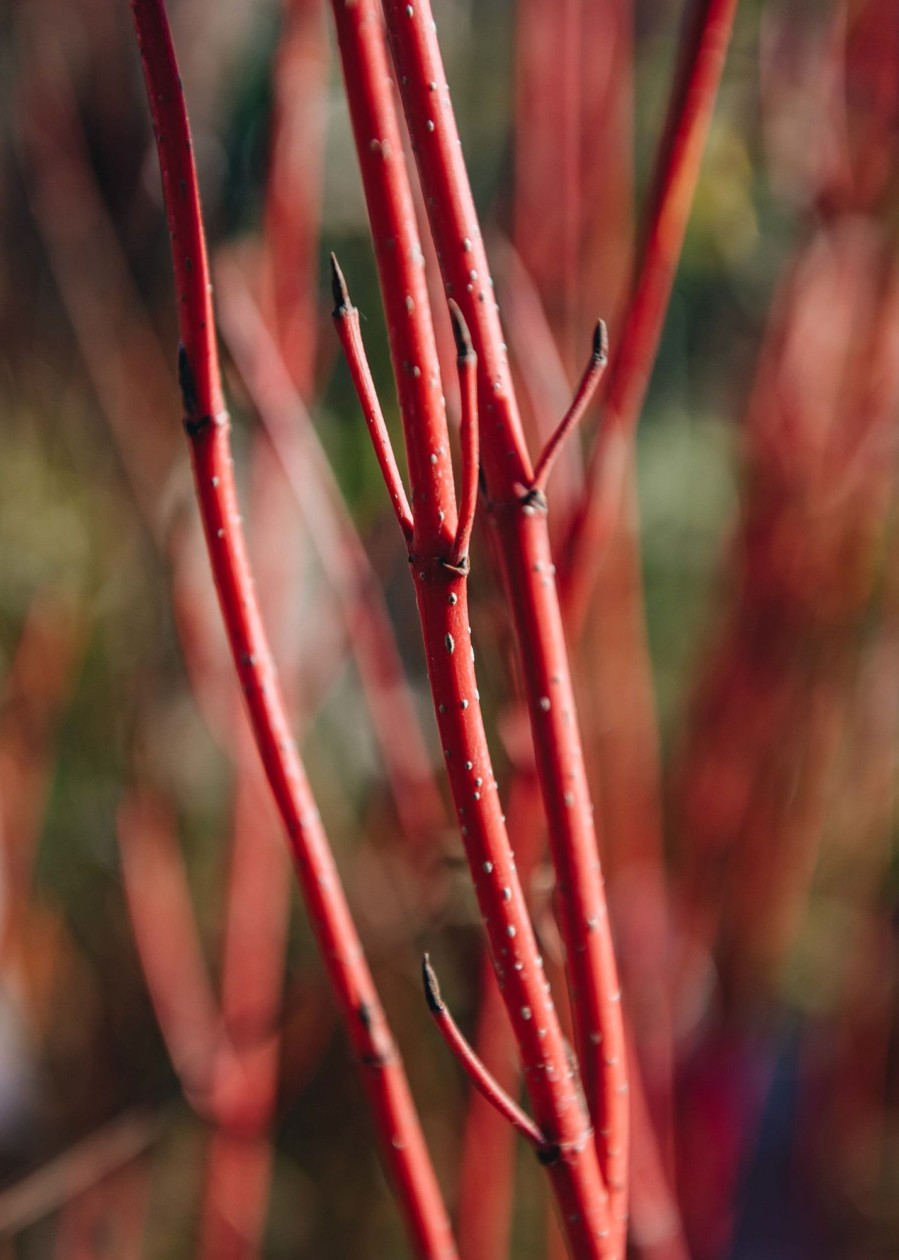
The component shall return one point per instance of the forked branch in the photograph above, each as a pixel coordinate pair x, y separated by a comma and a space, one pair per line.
442, 598
526, 559
346, 320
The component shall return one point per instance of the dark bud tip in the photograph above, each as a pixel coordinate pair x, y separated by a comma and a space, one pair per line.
342, 303
187, 383
464, 348
432, 988
600, 343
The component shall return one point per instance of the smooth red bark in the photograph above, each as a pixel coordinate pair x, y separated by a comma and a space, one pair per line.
206, 421
519, 516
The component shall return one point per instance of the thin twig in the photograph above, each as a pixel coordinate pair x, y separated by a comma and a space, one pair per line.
174, 968
687, 128
468, 437
346, 320
583, 396
344, 559
114, 1146
471, 1064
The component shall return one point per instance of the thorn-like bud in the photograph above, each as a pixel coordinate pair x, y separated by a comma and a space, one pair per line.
432, 987
342, 303
600, 343
464, 348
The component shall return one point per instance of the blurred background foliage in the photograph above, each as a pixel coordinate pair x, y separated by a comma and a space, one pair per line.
87, 567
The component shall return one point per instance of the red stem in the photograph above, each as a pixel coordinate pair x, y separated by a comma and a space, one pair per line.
469, 438
294, 185
345, 561
346, 320
520, 519
235, 1197
441, 593
487, 1173
474, 1068
401, 273
687, 128
206, 422
172, 961
582, 398
443, 609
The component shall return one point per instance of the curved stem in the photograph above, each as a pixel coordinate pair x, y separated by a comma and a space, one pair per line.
473, 1067
520, 520
206, 423
407, 763
442, 598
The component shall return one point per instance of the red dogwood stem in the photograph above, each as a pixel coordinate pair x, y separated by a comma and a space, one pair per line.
441, 591
583, 396
469, 437
519, 515
687, 129
442, 595
347, 324
206, 423
407, 762
474, 1068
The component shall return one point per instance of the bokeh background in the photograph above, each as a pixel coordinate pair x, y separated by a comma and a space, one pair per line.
738, 679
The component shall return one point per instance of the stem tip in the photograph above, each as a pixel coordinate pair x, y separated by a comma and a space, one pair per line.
342, 302
464, 348
432, 987
600, 343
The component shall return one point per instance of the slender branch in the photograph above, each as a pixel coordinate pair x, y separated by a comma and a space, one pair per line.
471, 1064
396, 1122
593, 523
584, 394
527, 565
468, 437
174, 968
401, 274
543, 380
80, 1167
293, 192
33, 699
442, 599
687, 128
484, 1220
346, 320
345, 561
